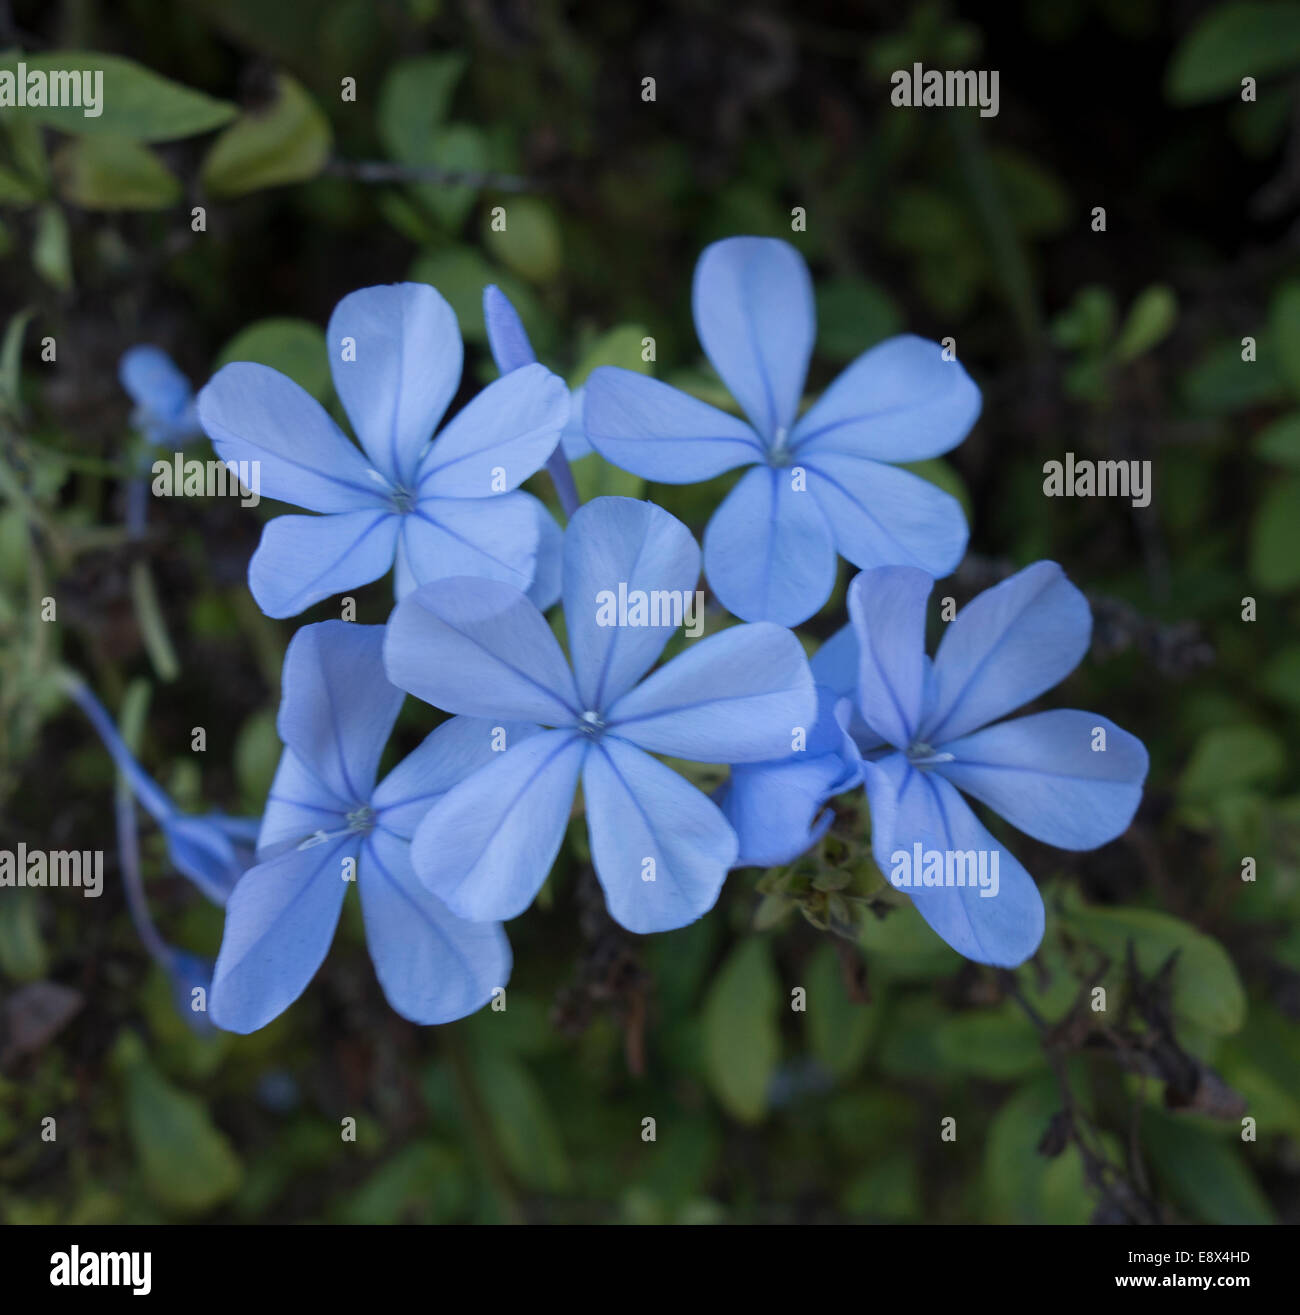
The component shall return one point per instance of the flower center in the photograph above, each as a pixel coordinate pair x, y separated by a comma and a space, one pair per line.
591, 725
920, 754
403, 500
361, 819
777, 452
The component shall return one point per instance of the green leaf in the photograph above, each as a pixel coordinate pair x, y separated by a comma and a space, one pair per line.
594, 477
257, 754
51, 255
413, 101
839, 1031
991, 1045
11, 361
294, 347
741, 1041
521, 1120
1202, 1173
113, 173
621, 346
1280, 441
1221, 382
460, 273
286, 141
1088, 323
1021, 1185
852, 315
458, 148
188, 1164
1284, 322
1232, 42
1149, 321
17, 190
135, 102
22, 949
530, 243
1275, 537
1227, 758
1207, 993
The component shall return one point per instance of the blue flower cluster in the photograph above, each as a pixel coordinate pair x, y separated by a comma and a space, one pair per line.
461, 835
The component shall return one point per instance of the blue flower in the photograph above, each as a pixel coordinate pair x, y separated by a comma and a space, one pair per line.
820, 482
396, 354
660, 847
1068, 778
326, 823
212, 850
165, 410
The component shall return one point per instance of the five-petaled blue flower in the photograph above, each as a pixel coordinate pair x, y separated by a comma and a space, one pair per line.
450, 508
821, 482
661, 848
165, 410
1068, 778
327, 823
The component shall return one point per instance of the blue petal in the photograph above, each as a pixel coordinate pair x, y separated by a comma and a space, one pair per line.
548, 569
611, 543
737, 696
768, 550
402, 373
254, 413
298, 805
500, 438
661, 433
202, 852
279, 924
434, 967
574, 434
1006, 647
753, 304
887, 607
491, 537
506, 334
480, 648
900, 401
660, 847
163, 396
883, 516
338, 709
910, 807
487, 845
835, 664
1043, 775
302, 559
776, 807
447, 755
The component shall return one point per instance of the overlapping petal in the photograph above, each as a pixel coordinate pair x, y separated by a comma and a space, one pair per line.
613, 545
768, 550
480, 648
401, 373
496, 538
254, 413
303, 559
753, 303
899, 401
661, 433
660, 847
434, 967
737, 696
337, 709
298, 805
487, 845
507, 337
1005, 647
887, 608
1053, 776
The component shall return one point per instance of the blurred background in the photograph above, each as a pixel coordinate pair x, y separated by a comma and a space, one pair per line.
1126, 343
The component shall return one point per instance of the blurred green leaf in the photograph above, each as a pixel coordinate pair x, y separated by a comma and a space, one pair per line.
1001, 1046
113, 173
1149, 321
23, 957
50, 251
1275, 537
1221, 382
1280, 441
413, 101
294, 347
286, 141
1226, 758
839, 1031
530, 243
1204, 1175
1021, 1185
521, 1120
741, 1041
135, 102
852, 315
1229, 43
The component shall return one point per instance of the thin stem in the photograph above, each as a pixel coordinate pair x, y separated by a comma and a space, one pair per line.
385, 171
